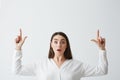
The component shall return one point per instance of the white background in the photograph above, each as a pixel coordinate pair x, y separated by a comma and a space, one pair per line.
79, 19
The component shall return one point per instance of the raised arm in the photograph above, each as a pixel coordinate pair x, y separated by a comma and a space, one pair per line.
102, 67
17, 66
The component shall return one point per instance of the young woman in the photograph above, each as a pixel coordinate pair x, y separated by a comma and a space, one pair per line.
60, 65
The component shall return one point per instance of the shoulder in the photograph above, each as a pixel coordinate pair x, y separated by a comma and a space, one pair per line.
76, 62
42, 60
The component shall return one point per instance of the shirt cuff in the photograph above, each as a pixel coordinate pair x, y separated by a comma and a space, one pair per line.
18, 52
102, 52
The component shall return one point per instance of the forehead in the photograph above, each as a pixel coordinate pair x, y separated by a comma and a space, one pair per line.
58, 37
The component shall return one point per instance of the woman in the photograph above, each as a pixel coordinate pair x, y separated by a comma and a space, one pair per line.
60, 65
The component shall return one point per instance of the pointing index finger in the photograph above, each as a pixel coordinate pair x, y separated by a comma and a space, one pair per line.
20, 32
97, 34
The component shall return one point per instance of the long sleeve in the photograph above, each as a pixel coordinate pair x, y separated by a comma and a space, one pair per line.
100, 69
20, 69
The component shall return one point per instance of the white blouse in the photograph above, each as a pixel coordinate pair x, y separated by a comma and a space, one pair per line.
46, 69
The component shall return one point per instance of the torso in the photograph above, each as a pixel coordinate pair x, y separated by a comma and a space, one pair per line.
59, 63
67, 70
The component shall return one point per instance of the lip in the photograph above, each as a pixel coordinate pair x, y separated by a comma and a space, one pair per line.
58, 49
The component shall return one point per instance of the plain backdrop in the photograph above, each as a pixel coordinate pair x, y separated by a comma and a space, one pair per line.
79, 19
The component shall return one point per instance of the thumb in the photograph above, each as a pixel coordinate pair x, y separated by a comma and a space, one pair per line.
24, 39
93, 40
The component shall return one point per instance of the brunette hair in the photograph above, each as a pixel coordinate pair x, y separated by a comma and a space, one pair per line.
67, 53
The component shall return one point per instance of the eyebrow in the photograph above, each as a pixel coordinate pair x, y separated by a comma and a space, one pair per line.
57, 39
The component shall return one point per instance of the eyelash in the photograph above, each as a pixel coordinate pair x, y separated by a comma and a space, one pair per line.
55, 42
63, 42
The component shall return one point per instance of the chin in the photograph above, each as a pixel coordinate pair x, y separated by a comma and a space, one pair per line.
59, 53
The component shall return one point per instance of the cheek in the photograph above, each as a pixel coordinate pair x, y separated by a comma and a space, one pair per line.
64, 47
53, 46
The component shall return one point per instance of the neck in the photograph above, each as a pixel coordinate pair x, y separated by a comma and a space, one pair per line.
59, 58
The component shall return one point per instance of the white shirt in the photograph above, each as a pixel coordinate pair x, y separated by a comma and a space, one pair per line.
46, 69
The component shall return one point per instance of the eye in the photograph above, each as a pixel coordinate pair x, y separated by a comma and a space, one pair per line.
55, 42
63, 42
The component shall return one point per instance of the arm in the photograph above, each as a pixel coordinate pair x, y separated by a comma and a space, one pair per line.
17, 66
102, 67
20, 69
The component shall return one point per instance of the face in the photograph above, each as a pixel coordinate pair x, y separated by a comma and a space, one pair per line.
59, 45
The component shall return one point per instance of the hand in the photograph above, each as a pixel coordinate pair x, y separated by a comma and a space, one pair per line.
99, 41
19, 41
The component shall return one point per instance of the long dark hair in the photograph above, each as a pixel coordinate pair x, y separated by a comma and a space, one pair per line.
67, 53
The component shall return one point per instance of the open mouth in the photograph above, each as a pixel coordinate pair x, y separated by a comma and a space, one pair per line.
58, 49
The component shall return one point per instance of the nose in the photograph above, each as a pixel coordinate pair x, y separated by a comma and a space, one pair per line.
59, 45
